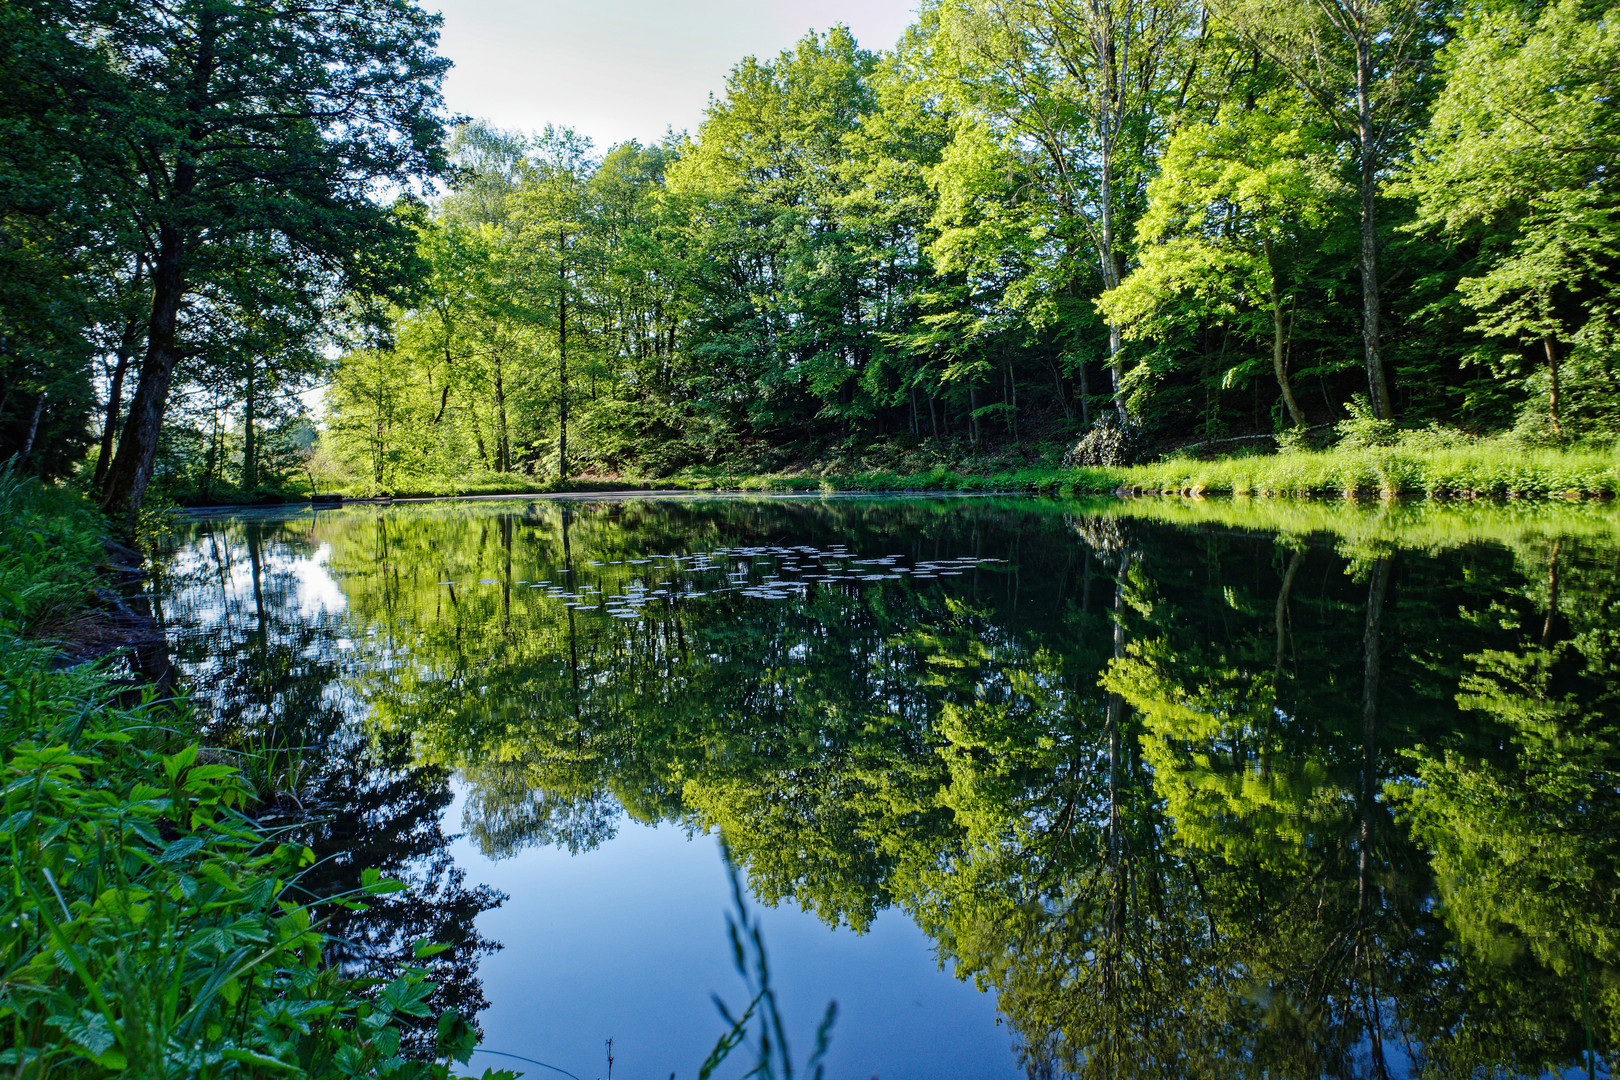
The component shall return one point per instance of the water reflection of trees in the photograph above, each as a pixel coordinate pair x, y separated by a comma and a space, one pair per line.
267, 670
1192, 802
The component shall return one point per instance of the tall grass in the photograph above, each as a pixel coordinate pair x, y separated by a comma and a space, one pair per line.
1424, 525
1484, 469
1500, 469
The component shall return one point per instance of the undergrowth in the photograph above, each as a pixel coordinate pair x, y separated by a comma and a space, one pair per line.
150, 929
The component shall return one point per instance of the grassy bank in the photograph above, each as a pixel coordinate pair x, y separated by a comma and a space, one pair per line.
1488, 469
1495, 471
150, 928
1492, 470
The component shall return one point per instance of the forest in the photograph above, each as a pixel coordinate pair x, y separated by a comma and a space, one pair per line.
248, 253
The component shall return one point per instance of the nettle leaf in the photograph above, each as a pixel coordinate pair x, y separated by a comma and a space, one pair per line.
408, 996
92, 1032
351, 1059
16, 823
181, 848
175, 764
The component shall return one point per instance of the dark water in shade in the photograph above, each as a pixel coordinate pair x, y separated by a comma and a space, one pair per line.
1124, 789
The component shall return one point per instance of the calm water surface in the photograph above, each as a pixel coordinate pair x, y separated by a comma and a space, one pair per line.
1028, 787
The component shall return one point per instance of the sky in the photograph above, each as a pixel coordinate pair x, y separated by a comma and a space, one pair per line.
626, 69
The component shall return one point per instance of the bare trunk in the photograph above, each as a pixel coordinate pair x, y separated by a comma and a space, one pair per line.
503, 443
1552, 595
1085, 397
115, 399
1279, 342
562, 358
131, 469
1552, 393
1377, 387
1063, 398
1377, 588
211, 458
250, 447
33, 426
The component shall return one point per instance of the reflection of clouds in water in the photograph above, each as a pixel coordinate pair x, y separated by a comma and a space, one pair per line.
218, 580
318, 591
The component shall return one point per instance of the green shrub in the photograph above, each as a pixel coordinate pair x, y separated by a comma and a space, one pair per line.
1362, 429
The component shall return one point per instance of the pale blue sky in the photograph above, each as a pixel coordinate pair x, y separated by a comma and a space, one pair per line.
621, 69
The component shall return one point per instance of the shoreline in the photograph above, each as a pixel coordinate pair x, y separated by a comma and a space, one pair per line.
1477, 472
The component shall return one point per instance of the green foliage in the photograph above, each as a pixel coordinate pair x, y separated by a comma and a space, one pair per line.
151, 928
1519, 158
1362, 430
1024, 212
49, 542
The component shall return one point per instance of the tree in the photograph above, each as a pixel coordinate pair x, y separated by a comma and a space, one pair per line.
1521, 156
1077, 93
1365, 66
554, 213
783, 283
1233, 200
261, 120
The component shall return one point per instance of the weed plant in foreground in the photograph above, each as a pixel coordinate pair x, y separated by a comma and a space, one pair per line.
149, 928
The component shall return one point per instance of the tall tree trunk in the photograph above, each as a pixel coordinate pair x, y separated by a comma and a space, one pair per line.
1552, 392
1013, 389
562, 357
211, 458
250, 418
1109, 261
1085, 396
33, 426
115, 397
1062, 395
131, 470
1279, 341
1377, 589
503, 442
1377, 386
137, 449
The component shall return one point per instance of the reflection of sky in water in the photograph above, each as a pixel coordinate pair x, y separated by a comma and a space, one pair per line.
220, 580
628, 942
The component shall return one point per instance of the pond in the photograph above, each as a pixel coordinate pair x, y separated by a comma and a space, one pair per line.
1027, 786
